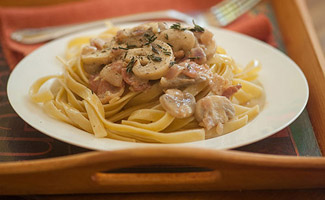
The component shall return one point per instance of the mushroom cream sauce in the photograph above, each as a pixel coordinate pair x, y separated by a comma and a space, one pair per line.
155, 83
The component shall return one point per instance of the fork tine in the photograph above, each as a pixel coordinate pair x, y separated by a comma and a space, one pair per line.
231, 9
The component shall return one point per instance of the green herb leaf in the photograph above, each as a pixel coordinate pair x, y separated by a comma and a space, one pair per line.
196, 28
150, 38
176, 26
161, 47
170, 44
167, 53
166, 36
154, 50
130, 65
194, 58
123, 48
154, 58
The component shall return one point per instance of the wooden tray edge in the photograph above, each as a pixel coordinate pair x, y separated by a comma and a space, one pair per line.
303, 47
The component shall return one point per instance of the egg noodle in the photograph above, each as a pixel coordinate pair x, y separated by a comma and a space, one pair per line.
139, 116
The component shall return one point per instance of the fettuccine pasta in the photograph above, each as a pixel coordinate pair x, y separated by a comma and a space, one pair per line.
152, 83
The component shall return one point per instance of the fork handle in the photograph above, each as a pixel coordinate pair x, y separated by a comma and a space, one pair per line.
38, 35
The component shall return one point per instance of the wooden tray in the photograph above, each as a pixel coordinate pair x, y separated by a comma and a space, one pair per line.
209, 170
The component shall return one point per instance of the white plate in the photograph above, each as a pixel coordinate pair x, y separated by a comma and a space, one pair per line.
285, 86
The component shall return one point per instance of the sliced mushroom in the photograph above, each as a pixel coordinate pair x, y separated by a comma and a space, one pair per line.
180, 81
198, 55
88, 50
184, 74
179, 40
94, 61
97, 42
214, 110
149, 64
206, 42
136, 36
112, 73
178, 103
157, 27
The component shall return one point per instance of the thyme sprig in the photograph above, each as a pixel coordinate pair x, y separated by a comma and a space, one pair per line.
123, 48
167, 53
194, 58
196, 28
150, 38
177, 26
154, 58
130, 65
154, 50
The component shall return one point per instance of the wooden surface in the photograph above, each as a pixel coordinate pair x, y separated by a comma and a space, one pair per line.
303, 47
317, 12
221, 170
232, 170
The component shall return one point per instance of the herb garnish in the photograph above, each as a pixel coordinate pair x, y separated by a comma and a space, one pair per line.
115, 48
171, 63
130, 65
177, 26
126, 53
150, 38
123, 48
167, 53
170, 44
196, 28
154, 50
154, 58
166, 36
193, 58
188, 66
161, 47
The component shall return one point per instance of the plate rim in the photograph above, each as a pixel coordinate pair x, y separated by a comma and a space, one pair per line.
264, 45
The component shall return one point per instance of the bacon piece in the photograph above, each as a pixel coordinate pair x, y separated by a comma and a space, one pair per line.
137, 84
231, 90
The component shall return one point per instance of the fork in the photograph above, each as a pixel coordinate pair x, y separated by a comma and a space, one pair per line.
219, 15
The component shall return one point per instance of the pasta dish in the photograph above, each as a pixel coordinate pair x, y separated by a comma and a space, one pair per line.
156, 83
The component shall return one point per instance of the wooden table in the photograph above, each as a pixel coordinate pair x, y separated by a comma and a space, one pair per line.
231, 170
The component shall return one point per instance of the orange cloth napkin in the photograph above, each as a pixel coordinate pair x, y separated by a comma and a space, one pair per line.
75, 12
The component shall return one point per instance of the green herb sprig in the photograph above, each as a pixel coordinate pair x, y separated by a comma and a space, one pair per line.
194, 58
130, 65
196, 28
150, 38
154, 58
176, 26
